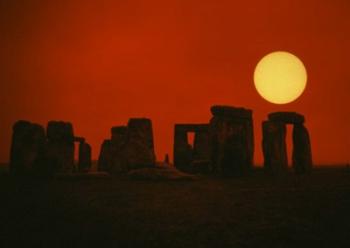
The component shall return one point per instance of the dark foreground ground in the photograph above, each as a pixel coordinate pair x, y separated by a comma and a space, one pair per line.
256, 211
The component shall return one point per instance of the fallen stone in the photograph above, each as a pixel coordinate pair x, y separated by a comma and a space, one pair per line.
160, 174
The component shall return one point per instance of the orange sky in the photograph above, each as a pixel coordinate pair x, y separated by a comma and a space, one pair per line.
97, 63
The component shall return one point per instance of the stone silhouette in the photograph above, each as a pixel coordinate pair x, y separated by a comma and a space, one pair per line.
274, 144
60, 147
301, 157
84, 161
130, 147
140, 147
224, 146
105, 157
28, 148
188, 158
232, 140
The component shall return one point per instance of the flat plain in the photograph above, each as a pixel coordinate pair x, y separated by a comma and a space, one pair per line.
252, 211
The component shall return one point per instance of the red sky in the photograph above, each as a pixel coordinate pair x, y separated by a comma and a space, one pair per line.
97, 63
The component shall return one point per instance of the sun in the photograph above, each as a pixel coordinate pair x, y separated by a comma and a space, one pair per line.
280, 77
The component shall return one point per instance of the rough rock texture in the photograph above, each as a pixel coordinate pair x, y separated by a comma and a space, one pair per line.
84, 162
287, 117
139, 149
60, 149
231, 140
274, 147
28, 148
184, 153
301, 158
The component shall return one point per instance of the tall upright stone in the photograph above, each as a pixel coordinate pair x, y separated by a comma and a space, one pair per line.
105, 157
191, 158
60, 150
274, 147
231, 138
183, 151
119, 140
301, 157
84, 162
274, 133
201, 146
140, 147
28, 148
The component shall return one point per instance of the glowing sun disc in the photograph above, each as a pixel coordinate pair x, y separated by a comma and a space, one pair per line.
280, 77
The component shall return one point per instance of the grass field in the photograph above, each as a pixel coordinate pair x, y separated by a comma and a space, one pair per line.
255, 211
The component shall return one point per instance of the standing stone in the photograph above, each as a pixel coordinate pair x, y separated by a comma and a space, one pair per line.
105, 157
201, 146
183, 151
231, 139
274, 147
119, 139
201, 152
188, 158
139, 149
84, 162
301, 158
28, 148
60, 150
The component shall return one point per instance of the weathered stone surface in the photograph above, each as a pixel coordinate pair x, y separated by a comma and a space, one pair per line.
184, 153
231, 140
287, 117
274, 147
84, 162
139, 149
60, 149
301, 158
28, 148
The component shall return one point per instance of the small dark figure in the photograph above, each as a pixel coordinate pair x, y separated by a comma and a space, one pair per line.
166, 159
